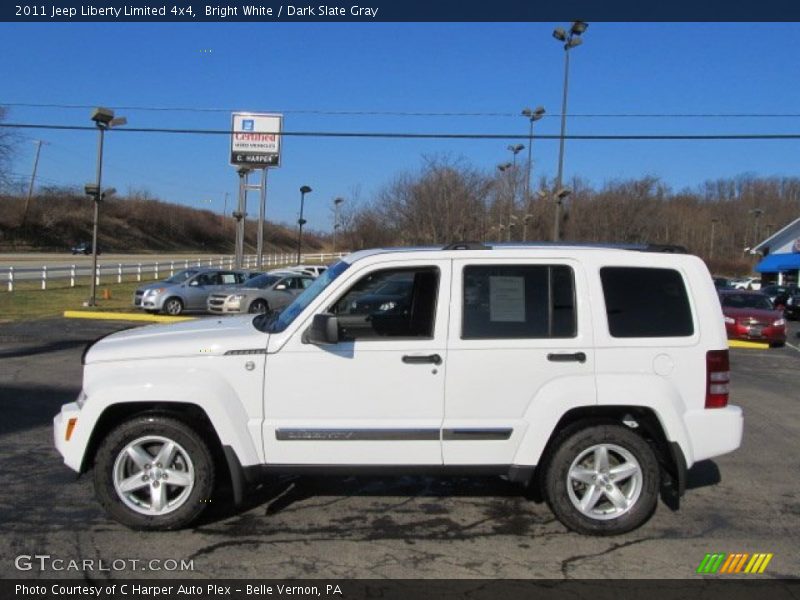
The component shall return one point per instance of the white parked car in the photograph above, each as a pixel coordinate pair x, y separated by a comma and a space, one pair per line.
746, 283
313, 270
598, 374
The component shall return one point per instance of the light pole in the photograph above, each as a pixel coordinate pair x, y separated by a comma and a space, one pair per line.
756, 212
570, 39
104, 119
301, 221
713, 237
336, 203
514, 149
533, 116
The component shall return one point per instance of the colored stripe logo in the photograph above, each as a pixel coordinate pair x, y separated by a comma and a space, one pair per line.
737, 562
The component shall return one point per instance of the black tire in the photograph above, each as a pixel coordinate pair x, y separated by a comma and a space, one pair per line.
173, 306
568, 447
189, 504
258, 306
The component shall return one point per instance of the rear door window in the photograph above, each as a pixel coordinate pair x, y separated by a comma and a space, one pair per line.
518, 301
642, 302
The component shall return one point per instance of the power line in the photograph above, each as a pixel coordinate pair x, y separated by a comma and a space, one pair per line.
402, 113
441, 136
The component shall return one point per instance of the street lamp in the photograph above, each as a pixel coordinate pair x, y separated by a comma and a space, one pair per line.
713, 236
525, 220
104, 119
570, 39
756, 212
533, 116
301, 221
336, 203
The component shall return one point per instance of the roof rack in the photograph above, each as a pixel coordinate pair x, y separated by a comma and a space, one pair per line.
645, 247
467, 246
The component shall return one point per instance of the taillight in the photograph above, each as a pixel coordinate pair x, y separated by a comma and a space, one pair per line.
718, 377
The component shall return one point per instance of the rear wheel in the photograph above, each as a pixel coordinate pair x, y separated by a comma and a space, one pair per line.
602, 480
173, 306
154, 472
259, 306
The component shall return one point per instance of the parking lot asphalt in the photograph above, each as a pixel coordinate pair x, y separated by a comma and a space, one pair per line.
408, 527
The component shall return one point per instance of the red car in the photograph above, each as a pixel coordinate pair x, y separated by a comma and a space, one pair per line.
752, 316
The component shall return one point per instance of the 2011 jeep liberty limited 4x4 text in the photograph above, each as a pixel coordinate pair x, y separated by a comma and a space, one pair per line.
599, 374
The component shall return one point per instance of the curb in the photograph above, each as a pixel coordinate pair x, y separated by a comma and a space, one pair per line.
744, 344
111, 316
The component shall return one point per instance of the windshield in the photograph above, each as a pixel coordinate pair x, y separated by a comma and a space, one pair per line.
262, 281
284, 318
747, 301
181, 276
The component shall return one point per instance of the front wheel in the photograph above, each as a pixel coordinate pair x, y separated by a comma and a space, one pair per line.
154, 472
602, 480
173, 306
259, 307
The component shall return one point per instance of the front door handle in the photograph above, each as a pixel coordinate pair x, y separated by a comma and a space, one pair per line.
567, 357
422, 360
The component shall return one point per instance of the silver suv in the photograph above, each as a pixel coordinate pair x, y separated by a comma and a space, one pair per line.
186, 290
261, 294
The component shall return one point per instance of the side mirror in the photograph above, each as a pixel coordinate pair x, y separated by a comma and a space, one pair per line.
280, 286
324, 330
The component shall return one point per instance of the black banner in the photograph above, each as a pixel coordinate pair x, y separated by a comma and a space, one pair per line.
477, 589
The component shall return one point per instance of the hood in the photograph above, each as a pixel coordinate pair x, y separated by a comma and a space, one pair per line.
233, 289
756, 313
201, 337
155, 284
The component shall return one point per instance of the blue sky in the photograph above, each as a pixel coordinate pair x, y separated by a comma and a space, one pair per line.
427, 67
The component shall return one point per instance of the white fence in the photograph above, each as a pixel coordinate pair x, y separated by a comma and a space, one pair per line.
113, 272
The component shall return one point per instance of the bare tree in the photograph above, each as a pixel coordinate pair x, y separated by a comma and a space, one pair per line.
6, 149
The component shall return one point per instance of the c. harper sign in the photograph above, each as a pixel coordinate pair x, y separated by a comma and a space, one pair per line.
255, 140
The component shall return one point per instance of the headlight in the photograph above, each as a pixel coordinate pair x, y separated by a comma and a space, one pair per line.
387, 306
779, 323
236, 297
730, 321
154, 291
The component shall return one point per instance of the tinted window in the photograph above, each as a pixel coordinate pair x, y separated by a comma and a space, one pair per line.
643, 302
756, 301
399, 303
262, 281
518, 301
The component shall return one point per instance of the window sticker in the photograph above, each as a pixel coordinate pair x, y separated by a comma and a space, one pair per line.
507, 299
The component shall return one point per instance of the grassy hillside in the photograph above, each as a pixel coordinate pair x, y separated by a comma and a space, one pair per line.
56, 221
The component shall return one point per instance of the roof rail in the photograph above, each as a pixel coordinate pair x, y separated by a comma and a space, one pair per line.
669, 248
467, 246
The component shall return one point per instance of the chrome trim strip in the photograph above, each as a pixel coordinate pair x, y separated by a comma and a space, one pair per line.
356, 435
498, 433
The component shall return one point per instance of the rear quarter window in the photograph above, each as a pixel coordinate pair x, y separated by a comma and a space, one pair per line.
646, 302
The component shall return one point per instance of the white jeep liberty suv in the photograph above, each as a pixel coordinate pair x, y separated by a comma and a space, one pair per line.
598, 374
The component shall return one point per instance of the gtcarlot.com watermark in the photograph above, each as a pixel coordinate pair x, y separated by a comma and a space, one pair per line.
46, 562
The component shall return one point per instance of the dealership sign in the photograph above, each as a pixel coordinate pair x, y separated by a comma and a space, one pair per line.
256, 140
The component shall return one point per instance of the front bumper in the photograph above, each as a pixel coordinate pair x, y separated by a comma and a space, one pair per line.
714, 431
149, 302
72, 450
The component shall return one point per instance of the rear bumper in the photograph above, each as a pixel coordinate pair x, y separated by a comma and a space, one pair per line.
713, 432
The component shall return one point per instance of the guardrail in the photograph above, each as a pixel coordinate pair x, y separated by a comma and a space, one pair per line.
114, 272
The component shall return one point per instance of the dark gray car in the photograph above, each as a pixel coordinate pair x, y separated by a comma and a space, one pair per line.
261, 294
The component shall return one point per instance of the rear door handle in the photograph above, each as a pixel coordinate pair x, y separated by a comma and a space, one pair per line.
421, 360
567, 357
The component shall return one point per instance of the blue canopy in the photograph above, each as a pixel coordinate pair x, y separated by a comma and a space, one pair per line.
774, 263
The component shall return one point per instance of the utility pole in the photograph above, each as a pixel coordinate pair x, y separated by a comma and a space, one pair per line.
33, 178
